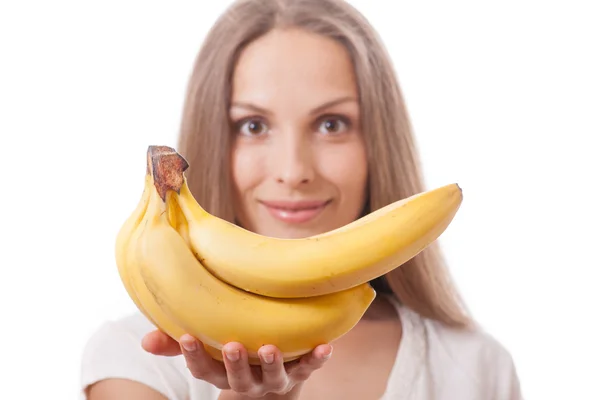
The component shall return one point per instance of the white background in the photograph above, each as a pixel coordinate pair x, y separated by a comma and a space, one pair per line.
504, 98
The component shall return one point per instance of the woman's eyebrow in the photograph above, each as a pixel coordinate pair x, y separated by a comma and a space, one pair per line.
261, 110
332, 103
251, 107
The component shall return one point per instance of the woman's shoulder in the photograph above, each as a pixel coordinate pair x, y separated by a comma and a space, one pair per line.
114, 351
473, 356
118, 338
470, 361
471, 345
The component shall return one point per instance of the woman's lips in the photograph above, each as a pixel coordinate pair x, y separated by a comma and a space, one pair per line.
295, 211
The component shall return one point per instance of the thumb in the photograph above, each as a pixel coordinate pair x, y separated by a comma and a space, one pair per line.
161, 344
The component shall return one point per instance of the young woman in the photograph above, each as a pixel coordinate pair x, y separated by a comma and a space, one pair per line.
294, 124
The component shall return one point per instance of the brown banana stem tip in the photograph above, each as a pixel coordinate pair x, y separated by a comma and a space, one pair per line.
167, 167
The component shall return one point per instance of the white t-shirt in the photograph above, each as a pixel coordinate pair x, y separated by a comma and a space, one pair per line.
434, 362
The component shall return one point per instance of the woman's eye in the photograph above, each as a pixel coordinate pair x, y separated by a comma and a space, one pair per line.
332, 125
252, 127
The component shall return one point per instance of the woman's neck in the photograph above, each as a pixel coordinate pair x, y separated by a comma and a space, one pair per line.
381, 309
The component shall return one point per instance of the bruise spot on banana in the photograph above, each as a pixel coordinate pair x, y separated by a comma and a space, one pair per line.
167, 168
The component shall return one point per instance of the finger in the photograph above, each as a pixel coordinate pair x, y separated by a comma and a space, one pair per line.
239, 374
159, 343
274, 375
309, 363
201, 364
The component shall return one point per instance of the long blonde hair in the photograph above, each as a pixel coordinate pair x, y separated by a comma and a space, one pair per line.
422, 284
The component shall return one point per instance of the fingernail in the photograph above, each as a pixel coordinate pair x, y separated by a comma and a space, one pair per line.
328, 354
233, 355
189, 344
268, 358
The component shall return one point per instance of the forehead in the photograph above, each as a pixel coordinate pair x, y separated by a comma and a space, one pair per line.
293, 61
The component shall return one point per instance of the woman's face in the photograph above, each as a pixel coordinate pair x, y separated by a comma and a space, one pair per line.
298, 156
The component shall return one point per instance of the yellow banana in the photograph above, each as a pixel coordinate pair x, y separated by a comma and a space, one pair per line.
323, 264
177, 294
123, 241
129, 270
129, 267
195, 301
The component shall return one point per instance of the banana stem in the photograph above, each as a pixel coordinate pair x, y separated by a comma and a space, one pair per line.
167, 168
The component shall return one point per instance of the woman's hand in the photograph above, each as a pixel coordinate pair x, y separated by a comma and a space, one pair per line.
272, 376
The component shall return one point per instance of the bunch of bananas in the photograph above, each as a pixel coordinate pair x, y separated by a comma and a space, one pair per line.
191, 272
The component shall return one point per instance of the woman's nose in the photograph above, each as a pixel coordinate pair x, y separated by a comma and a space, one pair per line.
294, 163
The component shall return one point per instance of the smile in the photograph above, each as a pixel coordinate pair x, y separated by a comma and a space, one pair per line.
295, 212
